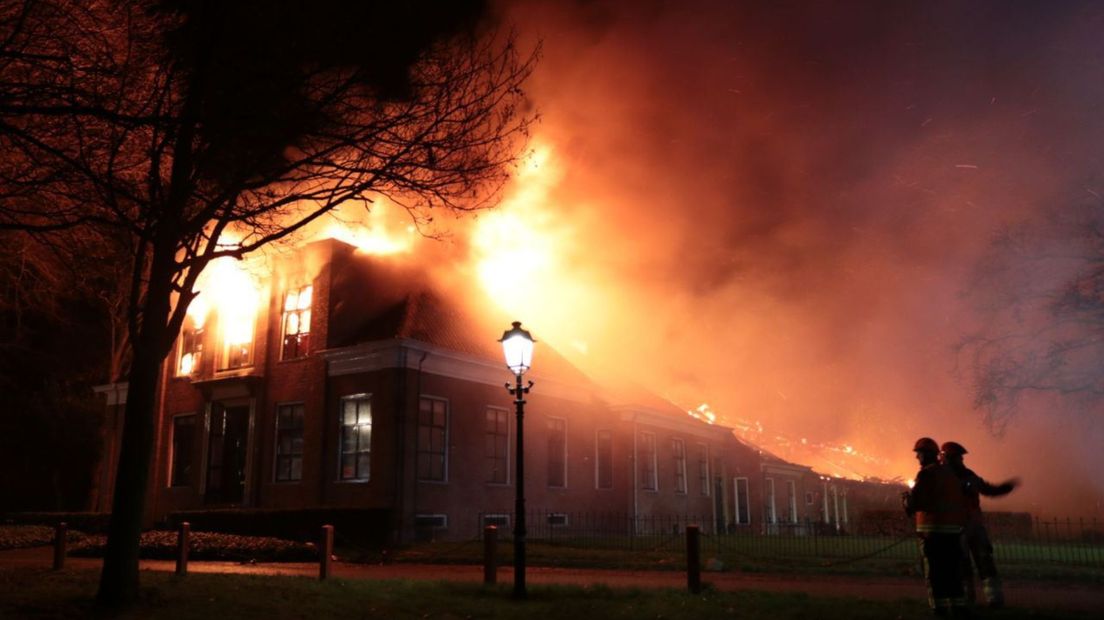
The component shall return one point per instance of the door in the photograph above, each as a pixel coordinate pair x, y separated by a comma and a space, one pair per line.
226, 454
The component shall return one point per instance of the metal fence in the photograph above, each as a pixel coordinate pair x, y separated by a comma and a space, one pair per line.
1073, 542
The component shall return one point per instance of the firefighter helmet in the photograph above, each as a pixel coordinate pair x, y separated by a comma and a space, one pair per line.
953, 448
925, 444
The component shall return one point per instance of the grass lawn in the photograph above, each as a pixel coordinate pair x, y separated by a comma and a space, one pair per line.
68, 594
834, 555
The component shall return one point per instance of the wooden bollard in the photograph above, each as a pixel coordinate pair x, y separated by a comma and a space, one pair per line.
325, 549
60, 534
693, 559
490, 546
183, 533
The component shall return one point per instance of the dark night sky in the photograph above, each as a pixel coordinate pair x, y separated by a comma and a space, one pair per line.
777, 208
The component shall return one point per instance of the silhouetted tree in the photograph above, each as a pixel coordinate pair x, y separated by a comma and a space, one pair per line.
166, 125
1040, 291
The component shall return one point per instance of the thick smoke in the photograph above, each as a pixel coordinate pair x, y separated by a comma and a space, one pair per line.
778, 209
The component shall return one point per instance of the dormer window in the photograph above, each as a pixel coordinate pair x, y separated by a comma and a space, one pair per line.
296, 323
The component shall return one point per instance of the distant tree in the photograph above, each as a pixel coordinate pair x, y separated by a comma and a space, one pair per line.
1040, 293
49, 421
164, 125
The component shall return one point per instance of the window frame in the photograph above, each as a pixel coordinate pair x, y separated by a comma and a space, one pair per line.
506, 453
703, 470
301, 350
747, 499
678, 454
422, 450
769, 501
648, 465
173, 483
276, 453
562, 430
195, 335
598, 459
356, 479
791, 492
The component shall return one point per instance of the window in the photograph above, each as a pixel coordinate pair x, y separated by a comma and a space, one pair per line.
183, 447
496, 445
437, 521
557, 452
289, 443
791, 495
647, 462
499, 521
603, 460
432, 439
356, 437
296, 323
809, 498
191, 350
743, 514
703, 468
678, 451
768, 507
557, 519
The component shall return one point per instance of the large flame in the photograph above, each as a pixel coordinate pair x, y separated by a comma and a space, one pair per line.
228, 290
515, 253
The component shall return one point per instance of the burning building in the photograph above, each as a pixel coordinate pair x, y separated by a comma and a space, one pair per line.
346, 381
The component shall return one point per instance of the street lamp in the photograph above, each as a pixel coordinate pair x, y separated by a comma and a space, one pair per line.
517, 345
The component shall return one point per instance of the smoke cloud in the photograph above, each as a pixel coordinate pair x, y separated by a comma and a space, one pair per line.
780, 209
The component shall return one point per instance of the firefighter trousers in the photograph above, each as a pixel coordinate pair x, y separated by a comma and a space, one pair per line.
942, 570
976, 546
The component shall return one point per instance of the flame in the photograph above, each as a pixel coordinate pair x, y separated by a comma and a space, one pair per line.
704, 413
374, 235
515, 252
228, 290
911, 482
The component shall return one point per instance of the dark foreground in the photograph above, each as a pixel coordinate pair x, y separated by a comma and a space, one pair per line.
220, 589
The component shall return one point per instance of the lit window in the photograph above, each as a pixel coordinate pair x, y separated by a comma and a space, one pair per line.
183, 442
557, 452
678, 450
191, 350
497, 442
289, 443
603, 461
647, 462
432, 440
356, 437
296, 323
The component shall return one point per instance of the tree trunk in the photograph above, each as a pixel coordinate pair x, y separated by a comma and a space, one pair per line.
119, 579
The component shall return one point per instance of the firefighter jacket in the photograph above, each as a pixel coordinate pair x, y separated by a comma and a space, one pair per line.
937, 501
973, 486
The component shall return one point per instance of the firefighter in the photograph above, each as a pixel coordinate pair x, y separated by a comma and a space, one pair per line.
975, 537
939, 506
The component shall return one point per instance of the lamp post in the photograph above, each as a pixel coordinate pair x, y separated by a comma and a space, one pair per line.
517, 345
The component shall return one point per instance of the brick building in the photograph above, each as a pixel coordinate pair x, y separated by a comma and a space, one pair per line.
360, 387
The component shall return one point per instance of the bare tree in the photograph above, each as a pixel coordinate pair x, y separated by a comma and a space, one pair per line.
1040, 292
166, 125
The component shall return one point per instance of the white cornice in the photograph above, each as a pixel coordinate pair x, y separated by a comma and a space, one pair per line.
414, 354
